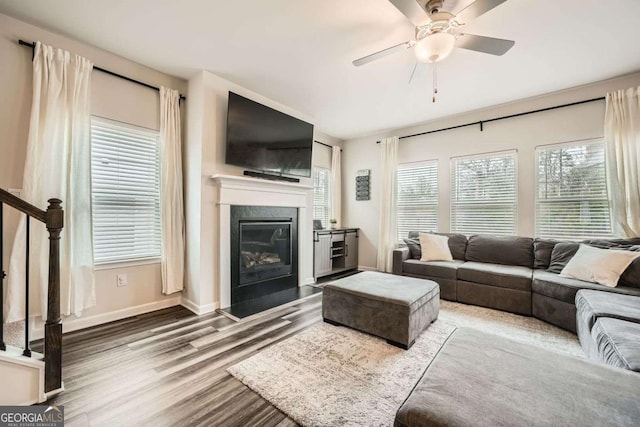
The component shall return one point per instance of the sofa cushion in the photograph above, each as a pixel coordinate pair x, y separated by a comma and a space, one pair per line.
542, 249
565, 289
592, 305
631, 276
457, 243
505, 250
443, 269
415, 252
613, 243
502, 276
487, 380
561, 255
618, 342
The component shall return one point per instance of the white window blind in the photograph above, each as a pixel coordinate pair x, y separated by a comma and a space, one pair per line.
125, 182
321, 195
571, 191
417, 198
484, 196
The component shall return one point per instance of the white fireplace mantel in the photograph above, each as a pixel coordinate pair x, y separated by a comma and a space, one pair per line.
245, 191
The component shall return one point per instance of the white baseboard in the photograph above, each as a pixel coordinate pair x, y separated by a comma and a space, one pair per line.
99, 319
199, 309
363, 268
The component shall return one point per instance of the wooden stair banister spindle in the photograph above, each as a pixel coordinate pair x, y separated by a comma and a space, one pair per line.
3, 347
53, 326
53, 218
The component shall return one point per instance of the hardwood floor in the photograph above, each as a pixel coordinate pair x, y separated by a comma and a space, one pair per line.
168, 368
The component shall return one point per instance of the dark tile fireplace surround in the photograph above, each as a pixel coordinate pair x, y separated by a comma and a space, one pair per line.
264, 252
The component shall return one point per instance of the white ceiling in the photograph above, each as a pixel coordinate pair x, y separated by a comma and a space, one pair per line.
299, 52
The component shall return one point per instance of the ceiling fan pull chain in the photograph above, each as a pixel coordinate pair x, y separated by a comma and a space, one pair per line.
435, 82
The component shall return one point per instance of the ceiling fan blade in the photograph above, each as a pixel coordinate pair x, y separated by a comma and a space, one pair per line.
484, 44
412, 10
417, 70
381, 54
477, 8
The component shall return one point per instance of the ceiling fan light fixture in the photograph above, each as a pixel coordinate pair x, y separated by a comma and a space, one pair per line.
435, 47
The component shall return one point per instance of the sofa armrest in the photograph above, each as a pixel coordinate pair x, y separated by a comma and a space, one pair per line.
399, 256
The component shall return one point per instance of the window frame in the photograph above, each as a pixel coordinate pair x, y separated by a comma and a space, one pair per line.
434, 203
454, 193
155, 255
329, 194
568, 145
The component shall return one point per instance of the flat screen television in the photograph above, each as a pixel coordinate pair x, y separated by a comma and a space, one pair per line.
266, 140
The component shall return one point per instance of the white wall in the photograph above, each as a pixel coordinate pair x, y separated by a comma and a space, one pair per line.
522, 133
112, 98
206, 136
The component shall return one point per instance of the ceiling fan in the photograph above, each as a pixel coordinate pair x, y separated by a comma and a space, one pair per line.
438, 32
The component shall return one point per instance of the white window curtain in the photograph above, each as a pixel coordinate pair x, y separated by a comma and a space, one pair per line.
336, 185
171, 211
387, 234
622, 141
57, 165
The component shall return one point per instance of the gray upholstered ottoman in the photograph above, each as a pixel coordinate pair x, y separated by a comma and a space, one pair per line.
608, 326
397, 308
479, 379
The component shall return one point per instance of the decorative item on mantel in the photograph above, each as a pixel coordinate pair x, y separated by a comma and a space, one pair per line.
362, 184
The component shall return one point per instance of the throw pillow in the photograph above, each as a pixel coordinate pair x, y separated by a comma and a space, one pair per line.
414, 248
457, 242
603, 266
434, 247
631, 276
542, 252
561, 255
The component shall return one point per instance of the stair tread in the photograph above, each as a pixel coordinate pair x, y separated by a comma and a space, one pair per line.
15, 353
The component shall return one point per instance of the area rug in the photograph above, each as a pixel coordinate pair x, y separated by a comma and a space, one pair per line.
334, 376
520, 328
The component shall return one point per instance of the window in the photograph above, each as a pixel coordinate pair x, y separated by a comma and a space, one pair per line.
571, 191
484, 196
125, 182
321, 195
417, 198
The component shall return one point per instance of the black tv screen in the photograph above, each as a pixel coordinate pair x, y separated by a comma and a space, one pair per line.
266, 140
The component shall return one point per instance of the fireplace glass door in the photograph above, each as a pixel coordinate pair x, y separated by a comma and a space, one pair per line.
265, 251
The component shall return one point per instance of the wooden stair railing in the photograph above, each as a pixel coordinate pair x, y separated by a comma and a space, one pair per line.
53, 218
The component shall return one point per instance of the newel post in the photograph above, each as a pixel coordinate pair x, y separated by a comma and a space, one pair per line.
53, 327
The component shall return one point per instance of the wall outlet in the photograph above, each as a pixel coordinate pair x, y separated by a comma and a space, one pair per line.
121, 280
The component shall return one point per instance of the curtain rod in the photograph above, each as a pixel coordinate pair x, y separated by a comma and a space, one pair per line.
111, 73
482, 122
326, 145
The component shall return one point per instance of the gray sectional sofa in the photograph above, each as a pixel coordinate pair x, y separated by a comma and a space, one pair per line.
521, 275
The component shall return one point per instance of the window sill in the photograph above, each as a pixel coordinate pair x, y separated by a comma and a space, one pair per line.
126, 264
